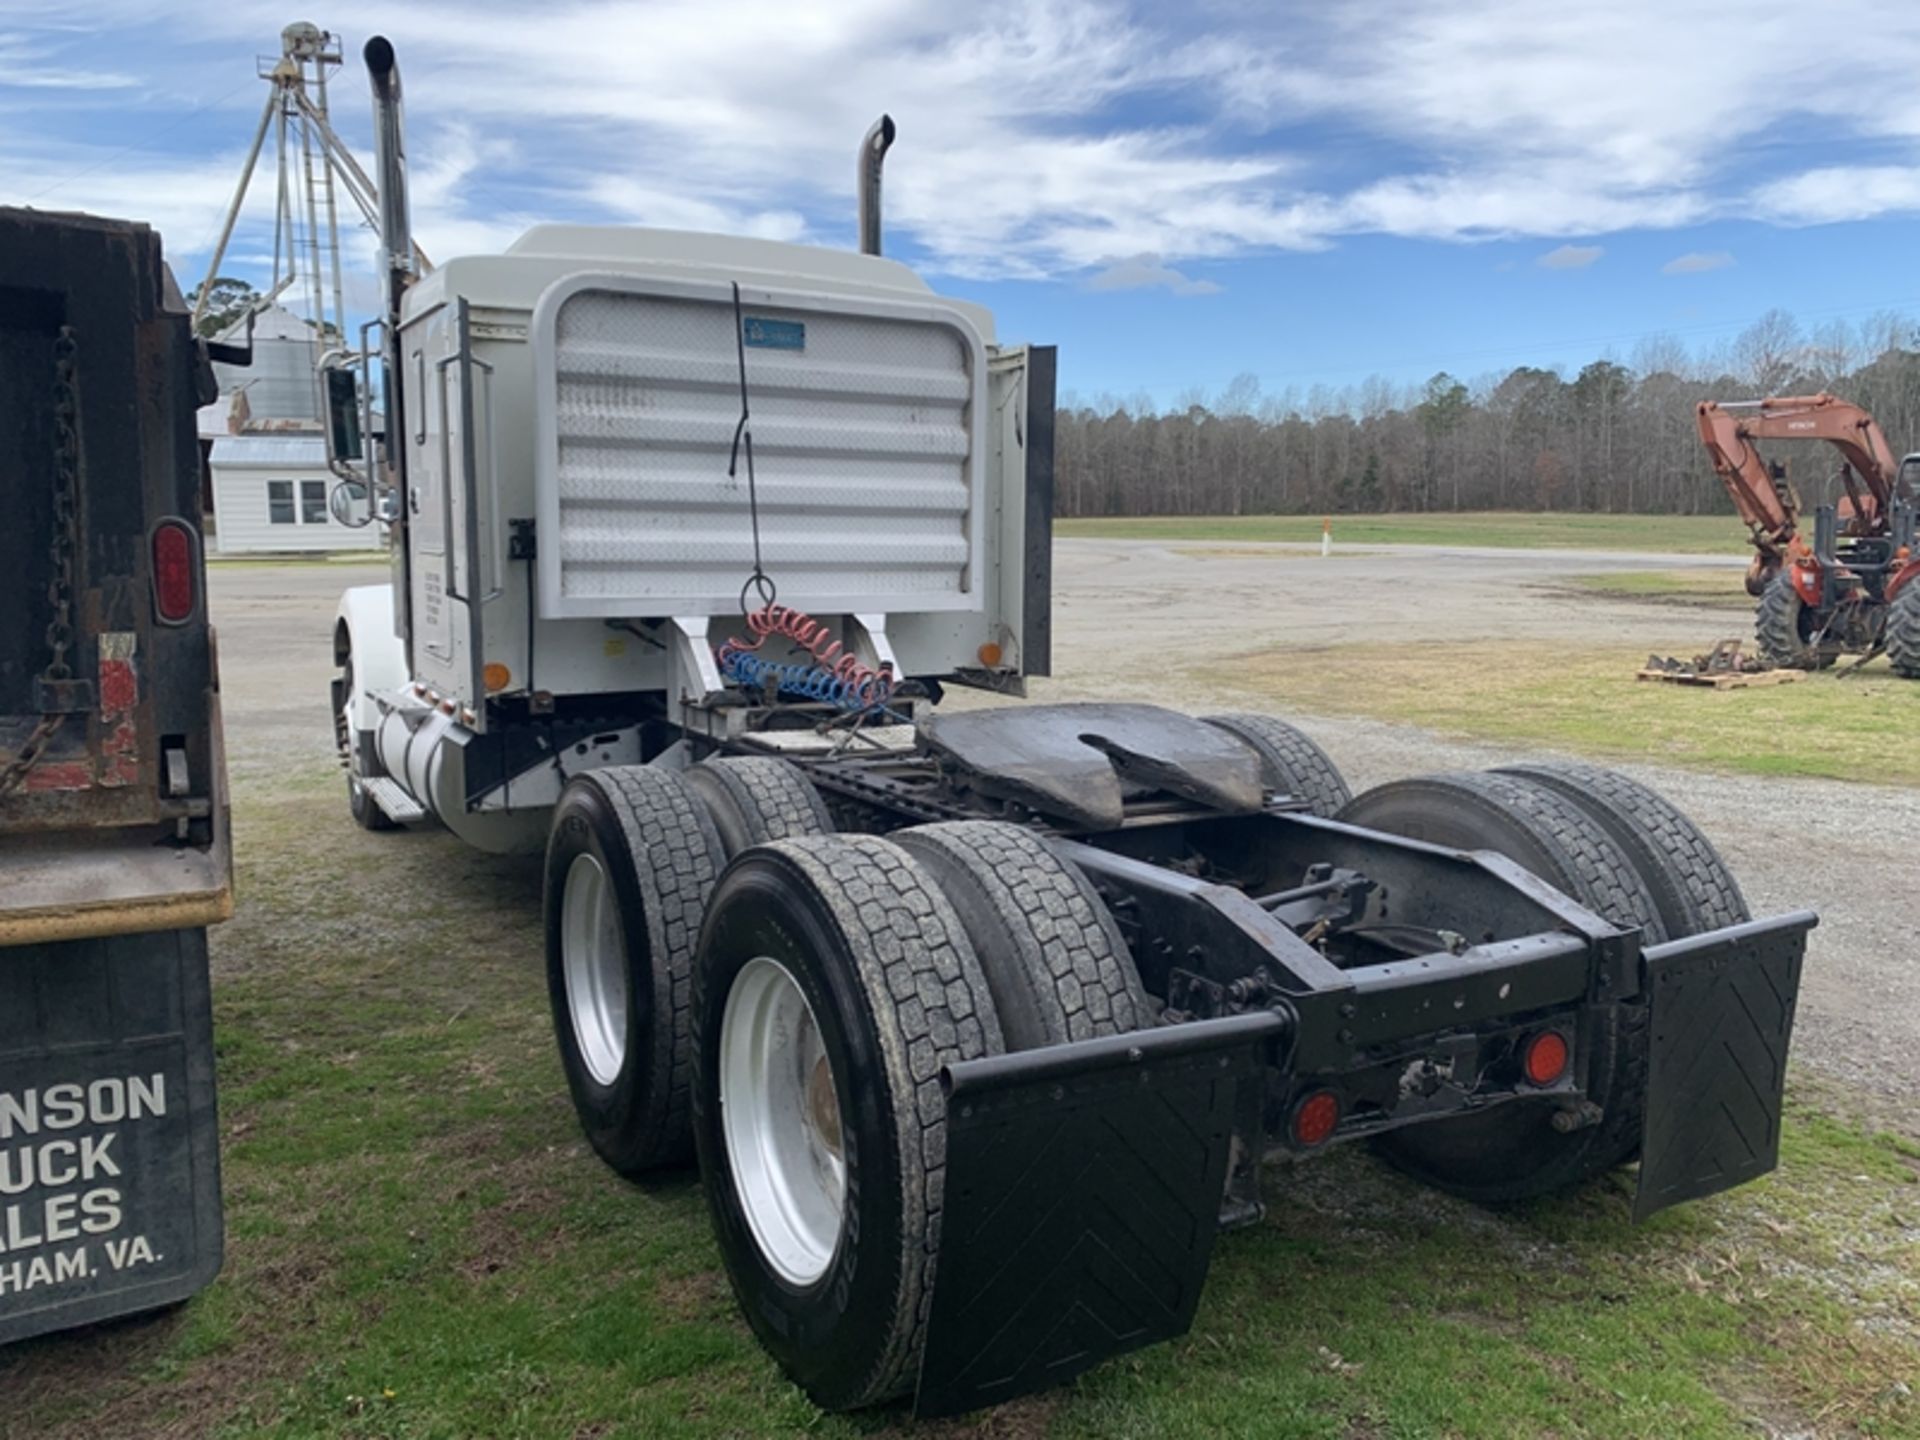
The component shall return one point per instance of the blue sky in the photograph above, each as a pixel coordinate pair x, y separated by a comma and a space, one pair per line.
1173, 194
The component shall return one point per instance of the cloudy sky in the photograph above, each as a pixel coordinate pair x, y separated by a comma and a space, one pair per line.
1174, 194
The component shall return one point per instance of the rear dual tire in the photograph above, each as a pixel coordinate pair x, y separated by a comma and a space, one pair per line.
631, 860
798, 1044
1512, 1152
754, 799
1691, 886
1054, 959
946, 943
1624, 851
632, 857
895, 992
1290, 763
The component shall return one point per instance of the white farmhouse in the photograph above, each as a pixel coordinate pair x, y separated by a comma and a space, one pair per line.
268, 462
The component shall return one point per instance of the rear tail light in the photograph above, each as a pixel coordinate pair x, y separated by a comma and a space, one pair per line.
1316, 1118
1544, 1057
176, 588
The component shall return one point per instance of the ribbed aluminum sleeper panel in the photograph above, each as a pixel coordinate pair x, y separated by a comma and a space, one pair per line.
867, 422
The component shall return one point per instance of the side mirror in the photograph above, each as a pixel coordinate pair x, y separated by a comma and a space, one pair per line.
347, 502
344, 442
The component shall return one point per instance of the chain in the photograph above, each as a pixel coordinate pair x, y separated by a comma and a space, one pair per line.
15, 770
66, 504
62, 549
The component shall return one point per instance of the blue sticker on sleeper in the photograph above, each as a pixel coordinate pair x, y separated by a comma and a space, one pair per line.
764, 334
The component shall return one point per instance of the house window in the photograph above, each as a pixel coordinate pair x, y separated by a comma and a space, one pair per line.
313, 502
280, 502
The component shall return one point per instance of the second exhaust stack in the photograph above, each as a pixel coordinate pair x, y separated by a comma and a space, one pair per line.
873, 154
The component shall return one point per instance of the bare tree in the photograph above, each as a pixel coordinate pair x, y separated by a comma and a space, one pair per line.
1613, 437
1769, 351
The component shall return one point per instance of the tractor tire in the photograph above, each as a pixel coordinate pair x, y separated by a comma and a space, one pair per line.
1055, 961
1512, 1152
834, 983
1692, 888
754, 800
1289, 761
1903, 632
1783, 629
631, 860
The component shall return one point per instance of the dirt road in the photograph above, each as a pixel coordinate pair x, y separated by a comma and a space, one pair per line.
1225, 599
1120, 604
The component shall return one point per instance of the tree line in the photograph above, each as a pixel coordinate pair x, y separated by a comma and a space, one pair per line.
1613, 436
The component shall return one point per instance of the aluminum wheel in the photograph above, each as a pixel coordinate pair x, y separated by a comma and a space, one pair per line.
596, 968
780, 1113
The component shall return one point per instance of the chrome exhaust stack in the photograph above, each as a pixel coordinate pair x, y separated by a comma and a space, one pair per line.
400, 270
396, 224
873, 154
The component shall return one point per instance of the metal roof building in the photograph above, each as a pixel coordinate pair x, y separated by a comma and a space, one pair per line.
268, 459
282, 384
270, 496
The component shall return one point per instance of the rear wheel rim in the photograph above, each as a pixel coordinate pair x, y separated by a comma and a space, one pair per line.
595, 964
780, 1114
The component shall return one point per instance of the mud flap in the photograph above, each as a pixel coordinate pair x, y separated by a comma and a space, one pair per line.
1721, 1014
111, 1200
1083, 1191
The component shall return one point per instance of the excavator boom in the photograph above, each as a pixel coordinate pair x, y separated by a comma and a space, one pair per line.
1764, 501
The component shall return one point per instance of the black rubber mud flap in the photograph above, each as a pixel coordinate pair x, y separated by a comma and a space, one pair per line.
1083, 1193
1721, 1016
109, 1146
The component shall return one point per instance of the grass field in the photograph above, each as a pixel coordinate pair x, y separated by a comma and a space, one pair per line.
421, 1246
1587, 701
280, 562
1721, 589
1505, 529
1677, 534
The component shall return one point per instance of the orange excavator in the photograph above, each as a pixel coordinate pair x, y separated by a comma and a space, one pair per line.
1855, 589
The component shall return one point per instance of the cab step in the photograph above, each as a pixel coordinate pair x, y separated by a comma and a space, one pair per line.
399, 806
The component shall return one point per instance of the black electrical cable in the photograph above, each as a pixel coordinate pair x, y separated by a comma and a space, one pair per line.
759, 581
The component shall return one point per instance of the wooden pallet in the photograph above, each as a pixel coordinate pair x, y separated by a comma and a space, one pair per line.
1723, 679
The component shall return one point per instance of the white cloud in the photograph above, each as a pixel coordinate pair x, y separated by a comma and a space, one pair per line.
1841, 192
1697, 262
635, 203
1500, 204
1038, 137
30, 66
1145, 272
182, 199
1570, 257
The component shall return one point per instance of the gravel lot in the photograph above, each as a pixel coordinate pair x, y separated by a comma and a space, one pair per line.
1792, 842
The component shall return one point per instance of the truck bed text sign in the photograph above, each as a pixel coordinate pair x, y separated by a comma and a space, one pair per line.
64, 1182
109, 1164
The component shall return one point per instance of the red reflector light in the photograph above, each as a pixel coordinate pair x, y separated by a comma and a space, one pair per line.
1545, 1058
1315, 1118
173, 572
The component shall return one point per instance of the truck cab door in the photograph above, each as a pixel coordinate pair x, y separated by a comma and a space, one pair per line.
425, 342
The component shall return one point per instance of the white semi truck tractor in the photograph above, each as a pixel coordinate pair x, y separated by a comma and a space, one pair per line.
980, 1022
